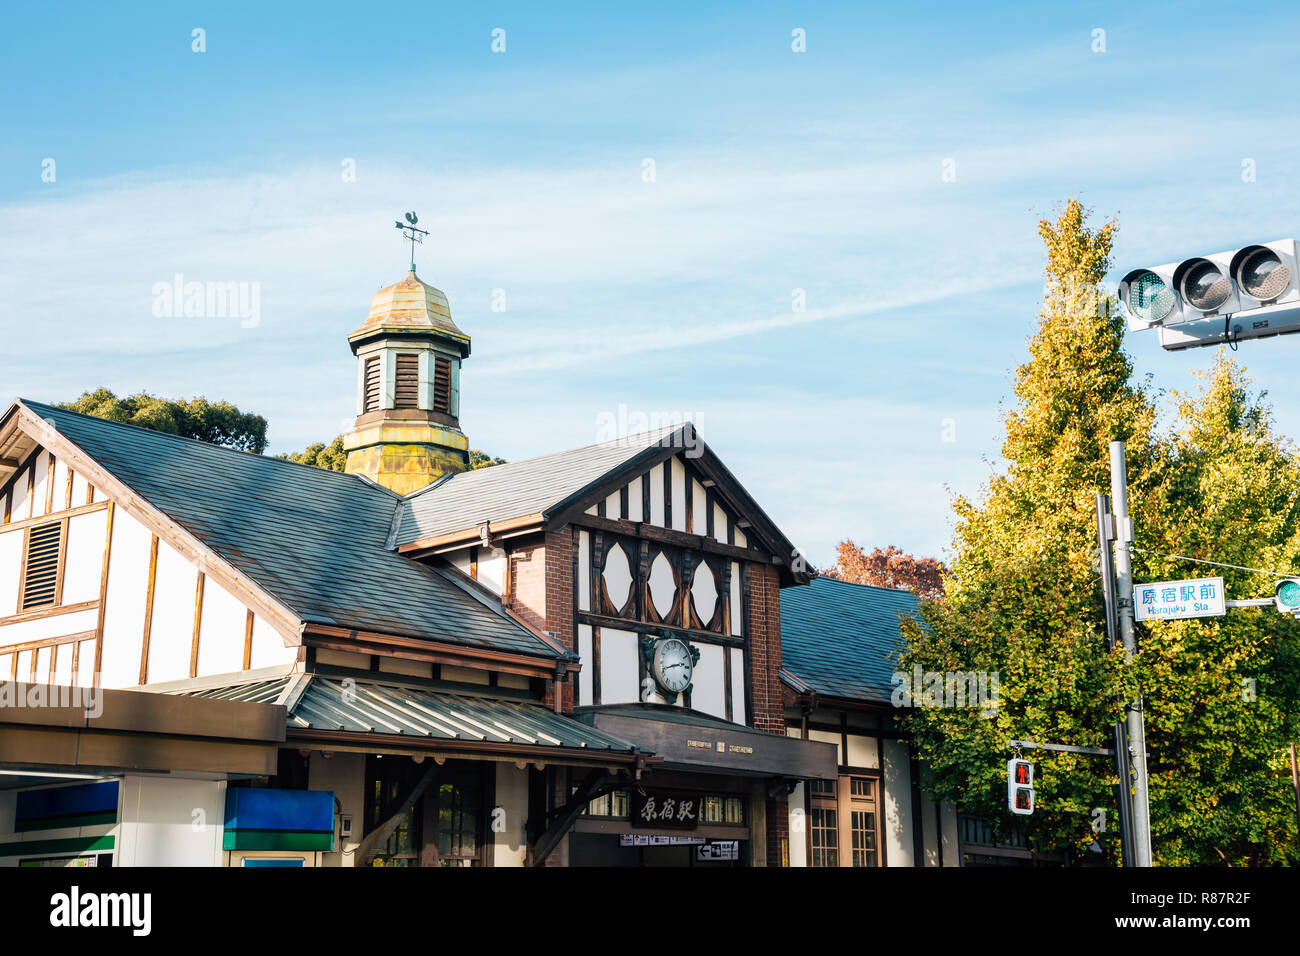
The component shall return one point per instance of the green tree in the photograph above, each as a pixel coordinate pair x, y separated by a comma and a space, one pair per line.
481, 459
1024, 599
1221, 692
331, 457
217, 422
334, 458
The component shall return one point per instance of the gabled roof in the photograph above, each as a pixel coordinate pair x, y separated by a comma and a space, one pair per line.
314, 540
843, 640
553, 488
517, 489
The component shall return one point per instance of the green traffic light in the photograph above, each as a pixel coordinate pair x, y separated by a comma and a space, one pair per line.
1150, 299
1288, 594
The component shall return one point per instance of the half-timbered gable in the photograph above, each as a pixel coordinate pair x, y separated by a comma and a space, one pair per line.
148, 559
87, 588
611, 546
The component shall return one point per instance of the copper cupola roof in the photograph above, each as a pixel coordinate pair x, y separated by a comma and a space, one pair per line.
410, 306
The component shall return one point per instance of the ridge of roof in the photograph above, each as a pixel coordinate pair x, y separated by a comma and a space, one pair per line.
863, 584
35, 406
632, 440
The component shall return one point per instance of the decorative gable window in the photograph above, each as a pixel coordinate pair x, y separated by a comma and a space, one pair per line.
370, 401
406, 390
442, 385
40, 585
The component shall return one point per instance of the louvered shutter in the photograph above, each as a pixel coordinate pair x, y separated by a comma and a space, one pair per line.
407, 388
372, 384
442, 386
41, 571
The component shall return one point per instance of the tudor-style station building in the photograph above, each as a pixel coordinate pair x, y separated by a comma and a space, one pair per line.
570, 660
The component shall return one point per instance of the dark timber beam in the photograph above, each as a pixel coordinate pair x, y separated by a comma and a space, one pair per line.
377, 837
595, 784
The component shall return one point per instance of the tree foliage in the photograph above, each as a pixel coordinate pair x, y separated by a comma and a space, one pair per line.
480, 459
333, 458
887, 568
217, 422
1024, 599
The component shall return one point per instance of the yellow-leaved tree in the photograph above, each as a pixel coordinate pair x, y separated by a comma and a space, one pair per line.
1024, 599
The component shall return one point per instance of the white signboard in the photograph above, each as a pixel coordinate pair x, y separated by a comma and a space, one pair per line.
718, 850
1173, 600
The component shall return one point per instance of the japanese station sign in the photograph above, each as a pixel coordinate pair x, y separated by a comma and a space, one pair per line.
659, 809
1175, 600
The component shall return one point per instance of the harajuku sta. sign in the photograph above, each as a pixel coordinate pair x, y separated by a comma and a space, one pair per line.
660, 809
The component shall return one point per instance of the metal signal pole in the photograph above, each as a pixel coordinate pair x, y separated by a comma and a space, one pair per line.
1106, 568
1137, 749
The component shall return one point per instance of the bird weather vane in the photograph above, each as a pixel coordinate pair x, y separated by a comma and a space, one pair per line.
411, 233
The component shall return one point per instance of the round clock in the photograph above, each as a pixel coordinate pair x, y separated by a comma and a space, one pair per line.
673, 665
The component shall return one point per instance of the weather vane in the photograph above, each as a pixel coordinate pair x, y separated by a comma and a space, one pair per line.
410, 232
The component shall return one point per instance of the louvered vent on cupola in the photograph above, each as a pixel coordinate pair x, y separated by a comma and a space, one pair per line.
372, 381
406, 392
442, 386
41, 569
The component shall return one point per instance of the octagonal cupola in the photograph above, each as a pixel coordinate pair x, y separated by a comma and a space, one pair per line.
407, 432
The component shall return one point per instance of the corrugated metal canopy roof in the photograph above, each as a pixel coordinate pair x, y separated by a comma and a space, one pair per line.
382, 707
315, 540
843, 639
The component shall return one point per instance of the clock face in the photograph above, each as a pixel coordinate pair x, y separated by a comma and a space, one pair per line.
673, 665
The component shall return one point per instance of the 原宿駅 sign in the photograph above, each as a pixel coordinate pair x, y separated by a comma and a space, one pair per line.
1175, 600
657, 809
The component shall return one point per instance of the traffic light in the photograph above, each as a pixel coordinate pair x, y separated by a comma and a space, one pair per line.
1286, 597
1245, 293
1020, 786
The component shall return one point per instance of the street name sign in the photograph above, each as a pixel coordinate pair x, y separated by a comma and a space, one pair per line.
1174, 600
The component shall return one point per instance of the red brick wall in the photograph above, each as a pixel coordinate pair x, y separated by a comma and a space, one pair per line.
767, 706
541, 592
527, 596
778, 824
560, 548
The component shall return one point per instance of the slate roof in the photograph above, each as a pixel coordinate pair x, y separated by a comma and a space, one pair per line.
390, 707
843, 639
316, 540
467, 499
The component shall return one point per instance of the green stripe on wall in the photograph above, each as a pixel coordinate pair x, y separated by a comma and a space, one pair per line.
58, 823
276, 840
70, 845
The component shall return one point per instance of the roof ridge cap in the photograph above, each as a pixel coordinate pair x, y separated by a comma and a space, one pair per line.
554, 454
862, 584
29, 403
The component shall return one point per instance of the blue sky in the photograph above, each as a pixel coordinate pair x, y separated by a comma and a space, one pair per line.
775, 171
